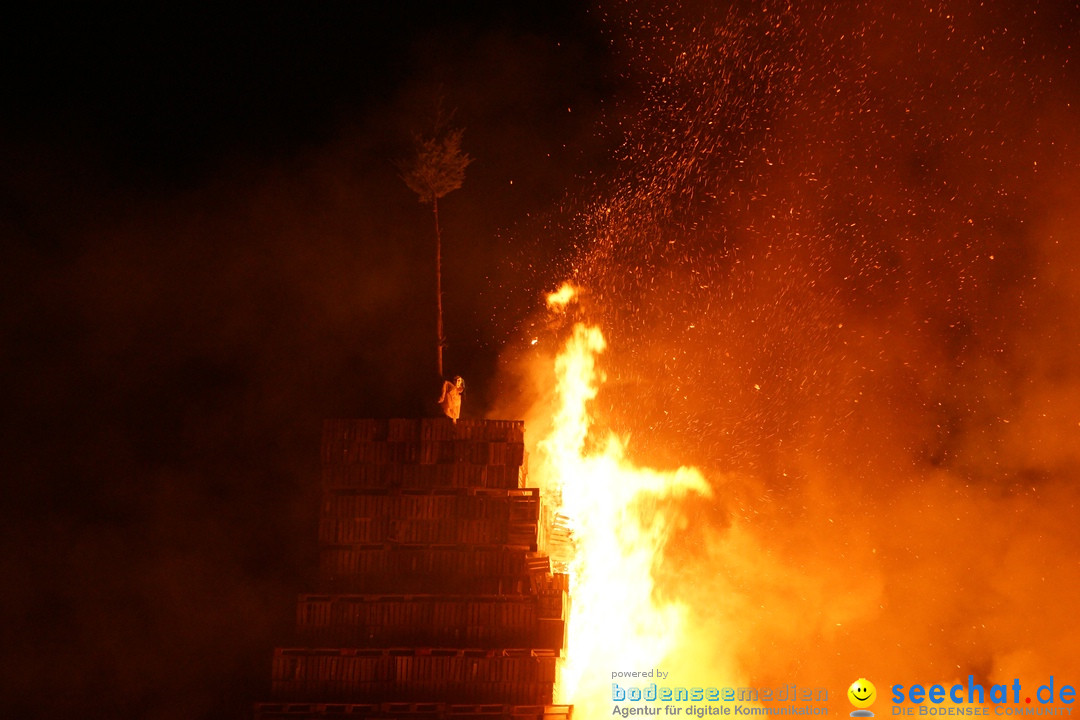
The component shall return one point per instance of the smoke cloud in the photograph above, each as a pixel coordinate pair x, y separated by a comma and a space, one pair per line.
836, 269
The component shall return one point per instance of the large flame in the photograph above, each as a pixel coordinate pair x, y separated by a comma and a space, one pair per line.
617, 623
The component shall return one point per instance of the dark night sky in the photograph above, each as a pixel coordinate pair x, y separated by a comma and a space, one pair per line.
207, 250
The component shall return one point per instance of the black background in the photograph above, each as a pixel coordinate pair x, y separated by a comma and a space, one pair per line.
207, 250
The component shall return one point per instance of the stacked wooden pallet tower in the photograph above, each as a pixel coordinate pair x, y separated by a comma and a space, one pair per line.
435, 600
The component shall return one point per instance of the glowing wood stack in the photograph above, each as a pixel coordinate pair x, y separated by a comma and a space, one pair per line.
434, 602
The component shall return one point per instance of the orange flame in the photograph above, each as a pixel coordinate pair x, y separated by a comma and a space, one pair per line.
616, 621
561, 297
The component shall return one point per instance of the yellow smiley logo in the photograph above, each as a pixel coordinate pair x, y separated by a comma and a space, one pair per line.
862, 693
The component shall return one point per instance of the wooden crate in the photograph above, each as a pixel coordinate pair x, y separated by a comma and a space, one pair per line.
324, 674
409, 711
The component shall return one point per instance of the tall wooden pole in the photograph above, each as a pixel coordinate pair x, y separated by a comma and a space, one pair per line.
438, 283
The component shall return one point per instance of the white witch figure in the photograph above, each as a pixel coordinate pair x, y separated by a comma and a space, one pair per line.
450, 400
